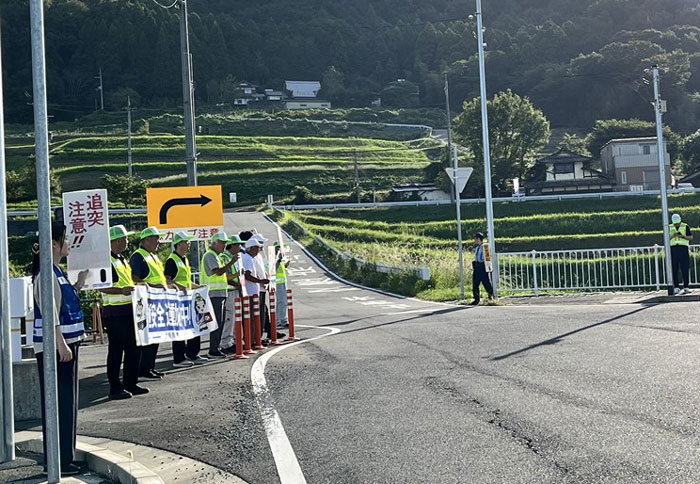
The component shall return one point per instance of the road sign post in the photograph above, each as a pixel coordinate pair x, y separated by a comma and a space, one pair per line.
459, 177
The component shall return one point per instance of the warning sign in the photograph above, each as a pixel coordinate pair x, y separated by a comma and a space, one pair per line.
198, 210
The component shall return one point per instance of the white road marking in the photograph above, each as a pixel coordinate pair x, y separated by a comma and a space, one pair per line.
286, 461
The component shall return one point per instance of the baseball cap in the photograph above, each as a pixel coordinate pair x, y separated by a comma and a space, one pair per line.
235, 239
259, 238
182, 236
676, 219
117, 232
219, 236
150, 231
253, 242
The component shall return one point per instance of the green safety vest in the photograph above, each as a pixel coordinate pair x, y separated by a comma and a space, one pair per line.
215, 283
123, 271
281, 274
226, 257
184, 273
682, 231
156, 271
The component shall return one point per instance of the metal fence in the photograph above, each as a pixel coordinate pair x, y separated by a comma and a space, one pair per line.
589, 269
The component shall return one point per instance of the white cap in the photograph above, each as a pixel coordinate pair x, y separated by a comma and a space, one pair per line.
676, 219
259, 238
253, 242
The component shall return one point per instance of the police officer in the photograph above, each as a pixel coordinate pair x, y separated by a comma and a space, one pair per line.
680, 259
178, 272
213, 273
479, 275
118, 318
147, 268
232, 252
69, 329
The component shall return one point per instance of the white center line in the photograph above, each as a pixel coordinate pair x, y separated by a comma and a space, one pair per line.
286, 461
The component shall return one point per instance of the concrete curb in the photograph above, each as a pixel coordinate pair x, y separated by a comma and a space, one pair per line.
99, 460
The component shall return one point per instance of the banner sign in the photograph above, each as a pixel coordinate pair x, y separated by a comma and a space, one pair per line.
87, 233
162, 315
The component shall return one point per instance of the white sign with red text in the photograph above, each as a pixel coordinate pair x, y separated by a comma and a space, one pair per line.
87, 234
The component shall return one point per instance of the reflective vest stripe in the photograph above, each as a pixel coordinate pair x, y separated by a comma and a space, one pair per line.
281, 274
156, 274
215, 283
123, 271
184, 272
682, 231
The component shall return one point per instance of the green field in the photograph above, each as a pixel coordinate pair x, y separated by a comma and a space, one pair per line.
426, 236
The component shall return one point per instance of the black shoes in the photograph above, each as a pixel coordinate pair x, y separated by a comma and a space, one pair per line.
475, 302
231, 350
152, 375
216, 355
137, 390
120, 395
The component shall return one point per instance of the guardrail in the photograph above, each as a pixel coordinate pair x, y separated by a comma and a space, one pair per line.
112, 211
588, 269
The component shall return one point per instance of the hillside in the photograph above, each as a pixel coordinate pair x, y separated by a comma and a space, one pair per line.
579, 60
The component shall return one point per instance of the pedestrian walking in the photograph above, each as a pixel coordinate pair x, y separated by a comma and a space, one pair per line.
479, 275
178, 272
147, 268
232, 253
118, 318
69, 329
213, 273
281, 264
681, 236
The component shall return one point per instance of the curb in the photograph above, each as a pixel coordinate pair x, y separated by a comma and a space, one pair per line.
99, 460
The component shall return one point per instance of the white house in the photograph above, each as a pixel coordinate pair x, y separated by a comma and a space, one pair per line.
567, 172
303, 89
634, 163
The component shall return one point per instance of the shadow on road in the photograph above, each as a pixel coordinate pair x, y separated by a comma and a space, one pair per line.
412, 318
559, 338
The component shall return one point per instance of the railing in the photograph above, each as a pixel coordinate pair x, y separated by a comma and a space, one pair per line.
589, 269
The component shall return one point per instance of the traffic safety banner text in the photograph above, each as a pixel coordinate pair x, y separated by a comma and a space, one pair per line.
162, 315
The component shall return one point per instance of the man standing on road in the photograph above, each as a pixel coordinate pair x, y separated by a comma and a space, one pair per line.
147, 268
680, 258
178, 271
232, 253
264, 269
254, 277
119, 321
213, 273
480, 276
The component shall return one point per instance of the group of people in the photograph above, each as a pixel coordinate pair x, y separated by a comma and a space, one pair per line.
220, 269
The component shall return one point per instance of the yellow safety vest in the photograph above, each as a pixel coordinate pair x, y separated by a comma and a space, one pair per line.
123, 271
215, 283
226, 257
184, 272
682, 231
156, 271
281, 274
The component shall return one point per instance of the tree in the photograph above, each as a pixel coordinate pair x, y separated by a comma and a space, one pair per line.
608, 129
575, 143
517, 132
691, 153
131, 191
400, 94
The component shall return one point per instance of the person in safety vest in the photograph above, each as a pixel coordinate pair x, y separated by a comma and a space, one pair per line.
281, 265
213, 272
681, 236
177, 271
232, 253
69, 329
118, 318
147, 268
262, 262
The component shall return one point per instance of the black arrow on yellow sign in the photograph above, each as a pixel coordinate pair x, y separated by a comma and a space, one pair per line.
175, 202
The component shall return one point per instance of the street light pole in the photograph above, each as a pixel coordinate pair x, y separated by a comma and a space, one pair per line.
52, 458
662, 177
128, 140
188, 97
487, 149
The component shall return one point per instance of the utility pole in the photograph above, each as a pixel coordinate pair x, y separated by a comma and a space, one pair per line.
102, 96
188, 97
452, 152
662, 176
357, 176
7, 449
128, 139
52, 457
487, 148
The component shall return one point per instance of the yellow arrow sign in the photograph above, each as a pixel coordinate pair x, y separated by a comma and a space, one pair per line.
185, 207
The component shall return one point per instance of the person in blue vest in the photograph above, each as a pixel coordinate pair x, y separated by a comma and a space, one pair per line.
680, 236
69, 329
479, 275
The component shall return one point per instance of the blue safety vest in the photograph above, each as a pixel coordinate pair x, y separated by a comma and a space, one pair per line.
70, 316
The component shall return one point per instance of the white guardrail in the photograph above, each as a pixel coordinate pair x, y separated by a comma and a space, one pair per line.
589, 269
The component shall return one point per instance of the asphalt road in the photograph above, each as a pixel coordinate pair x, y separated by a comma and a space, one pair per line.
415, 392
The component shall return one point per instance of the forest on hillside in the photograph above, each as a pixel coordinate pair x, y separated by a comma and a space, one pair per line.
577, 60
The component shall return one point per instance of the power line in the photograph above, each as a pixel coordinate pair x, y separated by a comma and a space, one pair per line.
175, 2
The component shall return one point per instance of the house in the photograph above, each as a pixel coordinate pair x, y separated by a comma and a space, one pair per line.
245, 93
293, 104
567, 172
418, 191
634, 164
303, 89
274, 96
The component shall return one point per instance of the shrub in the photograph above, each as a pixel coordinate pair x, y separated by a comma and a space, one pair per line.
129, 190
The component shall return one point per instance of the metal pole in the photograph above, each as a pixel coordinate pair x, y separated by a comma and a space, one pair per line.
187, 97
8, 407
128, 140
487, 148
357, 176
662, 178
458, 204
46, 260
102, 93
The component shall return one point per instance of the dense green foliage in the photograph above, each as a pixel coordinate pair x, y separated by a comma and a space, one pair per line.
578, 60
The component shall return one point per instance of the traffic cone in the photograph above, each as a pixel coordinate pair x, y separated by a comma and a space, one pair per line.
290, 316
256, 319
238, 329
248, 333
273, 318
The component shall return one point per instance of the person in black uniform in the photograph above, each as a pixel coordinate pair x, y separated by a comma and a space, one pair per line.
480, 276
